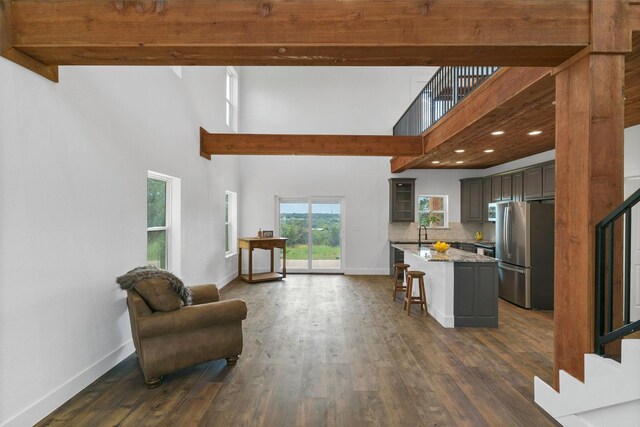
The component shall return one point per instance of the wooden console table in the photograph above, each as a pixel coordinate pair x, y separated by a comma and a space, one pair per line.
251, 243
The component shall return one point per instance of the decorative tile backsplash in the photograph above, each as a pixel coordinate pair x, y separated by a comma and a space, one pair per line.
457, 232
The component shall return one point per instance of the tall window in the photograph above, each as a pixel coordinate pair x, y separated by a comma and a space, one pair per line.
230, 222
163, 221
232, 99
433, 211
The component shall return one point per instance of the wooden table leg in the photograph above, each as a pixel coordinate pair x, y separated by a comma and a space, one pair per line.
284, 261
250, 273
240, 263
272, 269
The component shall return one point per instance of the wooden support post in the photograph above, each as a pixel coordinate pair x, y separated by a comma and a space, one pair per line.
589, 175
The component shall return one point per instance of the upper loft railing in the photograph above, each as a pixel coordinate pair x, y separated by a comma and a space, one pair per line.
613, 309
447, 87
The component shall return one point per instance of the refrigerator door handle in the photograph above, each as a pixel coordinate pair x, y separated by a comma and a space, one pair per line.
510, 268
507, 230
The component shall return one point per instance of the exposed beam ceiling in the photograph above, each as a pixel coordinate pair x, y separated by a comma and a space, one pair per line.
516, 101
294, 32
309, 145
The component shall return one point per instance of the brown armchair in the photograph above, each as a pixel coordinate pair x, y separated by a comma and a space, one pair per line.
167, 341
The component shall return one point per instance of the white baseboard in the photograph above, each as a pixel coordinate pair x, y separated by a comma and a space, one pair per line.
53, 400
444, 320
366, 271
226, 280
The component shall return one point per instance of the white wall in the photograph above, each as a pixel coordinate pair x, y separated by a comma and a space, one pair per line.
73, 163
332, 101
632, 152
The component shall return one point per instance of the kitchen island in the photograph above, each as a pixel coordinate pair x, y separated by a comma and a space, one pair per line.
461, 287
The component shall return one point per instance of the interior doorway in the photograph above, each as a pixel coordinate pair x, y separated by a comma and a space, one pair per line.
314, 227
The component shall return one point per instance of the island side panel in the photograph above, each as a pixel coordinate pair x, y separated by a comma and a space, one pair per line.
438, 283
476, 294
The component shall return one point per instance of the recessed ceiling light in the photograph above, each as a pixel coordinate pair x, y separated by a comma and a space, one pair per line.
459, 151
489, 151
435, 162
459, 162
497, 133
534, 132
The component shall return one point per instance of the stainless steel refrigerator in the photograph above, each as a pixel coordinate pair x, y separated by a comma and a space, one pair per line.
524, 248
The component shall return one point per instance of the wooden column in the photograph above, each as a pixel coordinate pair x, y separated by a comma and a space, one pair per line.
589, 174
589, 184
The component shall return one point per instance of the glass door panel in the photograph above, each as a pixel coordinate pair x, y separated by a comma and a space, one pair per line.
294, 225
326, 232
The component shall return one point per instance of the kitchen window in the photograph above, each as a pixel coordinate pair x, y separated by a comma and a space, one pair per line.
433, 211
230, 223
163, 221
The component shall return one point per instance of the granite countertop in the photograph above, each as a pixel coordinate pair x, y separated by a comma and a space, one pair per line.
452, 255
484, 243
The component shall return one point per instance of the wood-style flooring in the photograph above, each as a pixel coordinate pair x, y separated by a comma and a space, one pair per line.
337, 351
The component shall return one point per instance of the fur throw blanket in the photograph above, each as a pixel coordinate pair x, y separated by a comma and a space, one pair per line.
126, 281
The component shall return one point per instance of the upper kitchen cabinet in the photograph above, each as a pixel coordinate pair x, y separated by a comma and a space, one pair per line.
540, 182
532, 178
516, 192
496, 188
486, 198
549, 180
402, 199
471, 200
506, 192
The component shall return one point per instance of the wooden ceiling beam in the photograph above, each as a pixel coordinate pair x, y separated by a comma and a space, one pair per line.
297, 32
308, 145
8, 51
634, 16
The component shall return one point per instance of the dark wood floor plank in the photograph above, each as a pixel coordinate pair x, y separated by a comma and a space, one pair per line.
336, 351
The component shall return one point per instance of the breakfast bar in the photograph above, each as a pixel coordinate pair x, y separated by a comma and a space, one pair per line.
461, 287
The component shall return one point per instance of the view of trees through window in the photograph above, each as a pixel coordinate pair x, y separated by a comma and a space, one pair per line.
325, 232
322, 225
157, 223
432, 211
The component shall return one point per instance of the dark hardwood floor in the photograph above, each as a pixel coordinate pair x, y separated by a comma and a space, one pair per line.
335, 350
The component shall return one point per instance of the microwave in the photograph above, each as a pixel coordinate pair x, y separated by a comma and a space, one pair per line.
493, 211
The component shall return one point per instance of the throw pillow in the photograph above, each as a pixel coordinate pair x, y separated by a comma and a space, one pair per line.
158, 294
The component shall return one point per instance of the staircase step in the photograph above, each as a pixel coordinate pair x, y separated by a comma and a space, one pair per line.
569, 385
631, 355
611, 390
600, 371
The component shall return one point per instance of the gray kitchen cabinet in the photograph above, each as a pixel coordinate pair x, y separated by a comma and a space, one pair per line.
506, 188
486, 198
496, 188
532, 179
402, 199
395, 256
469, 247
475, 290
549, 180
516, 193
471, 200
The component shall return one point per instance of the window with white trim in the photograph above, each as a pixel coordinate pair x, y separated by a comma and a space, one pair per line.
231, 222
231, 97
163, 221
433, 211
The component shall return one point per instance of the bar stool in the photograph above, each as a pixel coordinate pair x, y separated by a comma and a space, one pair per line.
409, 299
399, 287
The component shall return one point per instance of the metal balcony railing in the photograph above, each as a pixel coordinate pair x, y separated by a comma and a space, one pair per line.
447, 87
613, 309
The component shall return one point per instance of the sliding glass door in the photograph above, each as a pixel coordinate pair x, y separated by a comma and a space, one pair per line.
314, 229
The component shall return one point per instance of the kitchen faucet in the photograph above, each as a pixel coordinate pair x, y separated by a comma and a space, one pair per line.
419, 235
